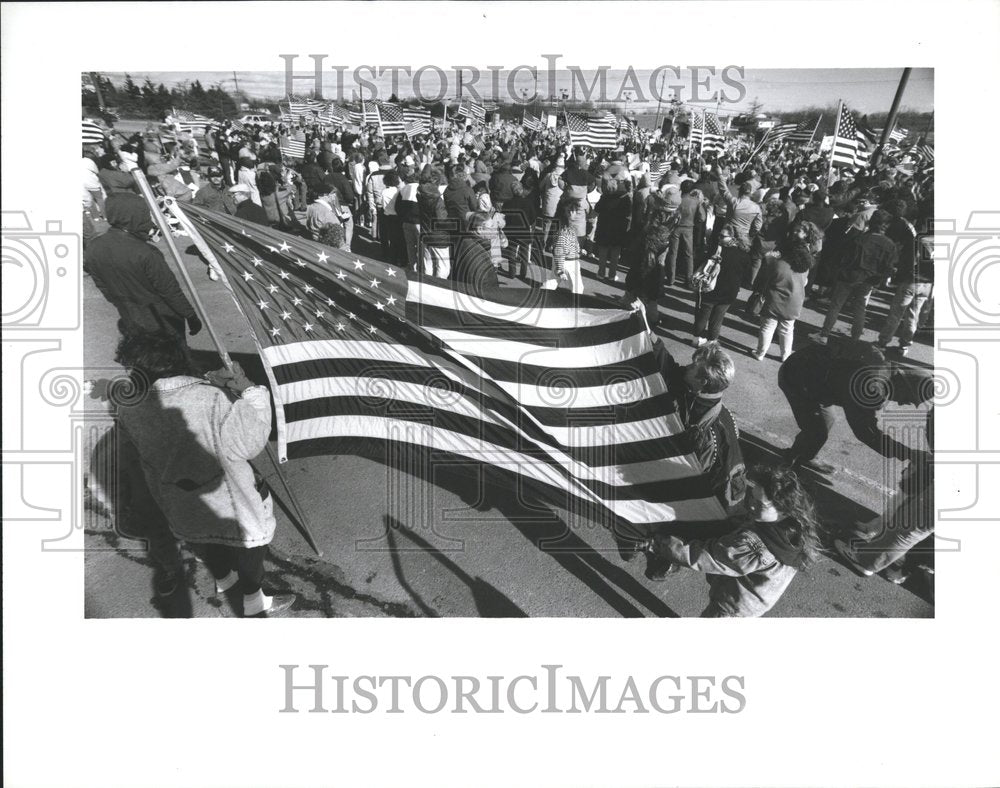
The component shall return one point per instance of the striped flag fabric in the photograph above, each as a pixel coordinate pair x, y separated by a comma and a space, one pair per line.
292, 149
418, 120
712, 137
792, 132
390, 119
190, 122
531, 122
595, 132
472, 110
852, 143
657, 169
332, 115
93, 134
898, 134
561, 391
367, 114
306, 108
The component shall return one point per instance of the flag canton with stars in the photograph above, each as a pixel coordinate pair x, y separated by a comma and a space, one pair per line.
294, 290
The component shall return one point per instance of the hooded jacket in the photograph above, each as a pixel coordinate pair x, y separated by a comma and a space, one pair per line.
132, 273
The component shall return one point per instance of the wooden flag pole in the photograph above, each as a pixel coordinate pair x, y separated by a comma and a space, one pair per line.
147, 193
836, 131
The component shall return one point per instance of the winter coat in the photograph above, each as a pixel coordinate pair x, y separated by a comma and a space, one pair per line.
195, 445
784, 290
132, 274
748, 570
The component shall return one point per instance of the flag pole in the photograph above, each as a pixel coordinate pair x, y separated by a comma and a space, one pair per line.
815, 129
836, 132
227, 361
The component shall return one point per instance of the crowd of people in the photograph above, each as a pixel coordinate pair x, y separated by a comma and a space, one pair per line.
503, 206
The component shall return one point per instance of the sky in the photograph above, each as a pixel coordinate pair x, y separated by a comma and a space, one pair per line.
865, 90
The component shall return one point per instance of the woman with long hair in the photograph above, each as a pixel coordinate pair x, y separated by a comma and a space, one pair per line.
749, 568
566, 248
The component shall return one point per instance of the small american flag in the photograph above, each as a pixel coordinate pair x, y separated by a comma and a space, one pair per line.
367, 114
898, 134
292, 149
531, 122
562, 392
333, 115
418, 120
472, 110
390, 119
190, 122
712, 137
657, 169
792, 132
853, 142
595, 132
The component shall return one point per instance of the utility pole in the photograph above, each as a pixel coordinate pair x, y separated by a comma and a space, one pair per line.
95, 77
890, 122
659, 99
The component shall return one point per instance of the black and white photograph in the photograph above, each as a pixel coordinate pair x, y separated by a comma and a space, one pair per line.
530, 334
562, 323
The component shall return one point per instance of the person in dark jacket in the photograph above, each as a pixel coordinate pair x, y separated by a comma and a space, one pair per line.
614, 213
459, 199
646, 253
133, 276
502, 185
852, 375
435, 226
783, 283
733, 262
869, 263
246, 208
473, 263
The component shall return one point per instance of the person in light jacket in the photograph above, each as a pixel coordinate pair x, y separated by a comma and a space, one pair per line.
195, 441
749, 568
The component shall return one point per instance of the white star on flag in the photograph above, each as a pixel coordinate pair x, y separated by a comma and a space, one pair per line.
247, 276
275, 332
256, 261
272, 289
323, 257
308, 288
375, 283
380, 306
284, 246
307, 326
391, 300
341, 275
390, 271
340, 326
285, 315
228, 248
262, 304
358, 265
284, 274
296, 301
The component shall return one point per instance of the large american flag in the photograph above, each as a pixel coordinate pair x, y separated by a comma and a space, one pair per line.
707, 132
595, 132
562, 391
853, 143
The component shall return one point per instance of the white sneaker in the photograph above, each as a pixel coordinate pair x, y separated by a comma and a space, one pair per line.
698, 341
848, 555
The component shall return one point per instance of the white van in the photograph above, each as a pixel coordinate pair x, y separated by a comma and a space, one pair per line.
258, 120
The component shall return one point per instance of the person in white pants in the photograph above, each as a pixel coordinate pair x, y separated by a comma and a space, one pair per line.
566, 249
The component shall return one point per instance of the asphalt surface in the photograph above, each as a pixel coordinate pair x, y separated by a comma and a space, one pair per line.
395, 543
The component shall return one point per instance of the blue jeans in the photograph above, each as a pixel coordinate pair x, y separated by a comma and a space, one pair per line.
842, 293
908, 301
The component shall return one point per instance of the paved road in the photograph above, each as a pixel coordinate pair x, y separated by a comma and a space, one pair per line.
395, 544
